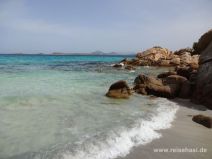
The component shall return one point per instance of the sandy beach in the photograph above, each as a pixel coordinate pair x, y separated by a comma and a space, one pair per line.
184, 133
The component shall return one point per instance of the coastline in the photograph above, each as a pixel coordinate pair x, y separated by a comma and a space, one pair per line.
184, 133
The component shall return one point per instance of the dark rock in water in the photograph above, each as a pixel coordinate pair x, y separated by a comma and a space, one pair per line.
129, 67
147, 85
203, 120
124, 62
120, 89
178, 82
118, 65
140, 89
166, 74
161, 91
169, 87
146, 80
134, 62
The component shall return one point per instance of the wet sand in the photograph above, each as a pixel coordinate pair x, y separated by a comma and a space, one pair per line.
184, 133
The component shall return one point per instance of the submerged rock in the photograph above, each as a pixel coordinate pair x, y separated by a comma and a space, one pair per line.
119, 89
203, 120
129, 67
118, 65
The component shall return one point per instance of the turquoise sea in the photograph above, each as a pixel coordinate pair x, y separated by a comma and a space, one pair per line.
54, 107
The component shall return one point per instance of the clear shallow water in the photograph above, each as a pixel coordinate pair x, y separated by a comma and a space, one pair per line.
54, 107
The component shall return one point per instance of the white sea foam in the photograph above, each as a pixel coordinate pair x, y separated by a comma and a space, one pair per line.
120, 143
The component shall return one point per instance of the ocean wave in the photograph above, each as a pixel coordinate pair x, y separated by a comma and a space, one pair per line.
116, 143
119, 143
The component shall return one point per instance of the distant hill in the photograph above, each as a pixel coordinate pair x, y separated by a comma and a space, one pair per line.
77, 53
103, 53
98, 52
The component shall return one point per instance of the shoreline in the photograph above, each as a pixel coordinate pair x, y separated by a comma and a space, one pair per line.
184, 133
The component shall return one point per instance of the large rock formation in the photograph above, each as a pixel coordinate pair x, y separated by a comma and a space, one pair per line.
203, 88
158, 56
168, 87
192, 77
154, 54
203, 42
120, 89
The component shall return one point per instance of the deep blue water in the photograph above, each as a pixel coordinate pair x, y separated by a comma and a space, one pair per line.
29, 59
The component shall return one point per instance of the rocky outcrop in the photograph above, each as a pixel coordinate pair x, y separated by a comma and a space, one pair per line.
154, 54
147, 85
120, 89
203, 120
206, 55
203, 88
158, 56
168, 87
192, 77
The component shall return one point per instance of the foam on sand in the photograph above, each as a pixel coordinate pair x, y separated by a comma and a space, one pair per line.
120, 143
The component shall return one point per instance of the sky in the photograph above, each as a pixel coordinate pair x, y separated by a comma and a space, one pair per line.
45, 26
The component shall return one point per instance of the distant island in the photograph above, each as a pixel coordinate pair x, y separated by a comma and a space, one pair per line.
77, 53
98, 52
